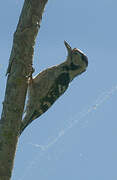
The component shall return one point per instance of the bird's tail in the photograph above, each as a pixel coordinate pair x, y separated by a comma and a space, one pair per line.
25, 122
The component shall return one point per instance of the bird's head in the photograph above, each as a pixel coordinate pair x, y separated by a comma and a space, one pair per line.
76, 60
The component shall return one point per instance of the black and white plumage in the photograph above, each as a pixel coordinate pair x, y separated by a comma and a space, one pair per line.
50, 84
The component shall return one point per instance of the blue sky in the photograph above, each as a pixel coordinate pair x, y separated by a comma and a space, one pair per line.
76, 137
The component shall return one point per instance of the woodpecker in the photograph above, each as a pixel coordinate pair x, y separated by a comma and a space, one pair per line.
46, 87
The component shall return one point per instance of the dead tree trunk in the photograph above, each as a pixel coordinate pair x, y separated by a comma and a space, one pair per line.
19, 69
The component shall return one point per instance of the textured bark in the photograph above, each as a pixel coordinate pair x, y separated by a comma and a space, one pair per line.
18, 70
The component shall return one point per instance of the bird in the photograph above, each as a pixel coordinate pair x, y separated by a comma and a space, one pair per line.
47, 86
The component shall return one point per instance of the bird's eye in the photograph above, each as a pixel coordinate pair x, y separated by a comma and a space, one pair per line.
85, 59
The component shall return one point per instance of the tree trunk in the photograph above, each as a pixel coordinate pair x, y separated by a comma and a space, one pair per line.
19, 69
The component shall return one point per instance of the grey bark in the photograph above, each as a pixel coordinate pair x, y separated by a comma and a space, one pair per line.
19, 69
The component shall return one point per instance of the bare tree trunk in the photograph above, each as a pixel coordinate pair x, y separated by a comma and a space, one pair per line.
16, 88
